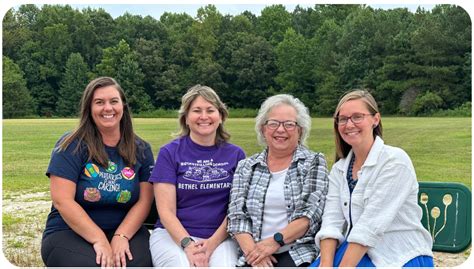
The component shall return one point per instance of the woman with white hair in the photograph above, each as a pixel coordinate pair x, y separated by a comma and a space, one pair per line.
278, 195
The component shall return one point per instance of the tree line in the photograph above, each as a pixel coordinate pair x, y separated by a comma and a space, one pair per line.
413, 63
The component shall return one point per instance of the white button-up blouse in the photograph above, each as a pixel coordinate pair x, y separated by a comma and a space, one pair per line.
384, 209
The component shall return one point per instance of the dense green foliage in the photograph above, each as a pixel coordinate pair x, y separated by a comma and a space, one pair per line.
17, 101
413, 63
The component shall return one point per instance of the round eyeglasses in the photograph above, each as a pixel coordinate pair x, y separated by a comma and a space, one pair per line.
289, 125
355, 118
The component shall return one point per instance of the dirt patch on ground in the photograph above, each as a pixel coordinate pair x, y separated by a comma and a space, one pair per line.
442, 259
24, 217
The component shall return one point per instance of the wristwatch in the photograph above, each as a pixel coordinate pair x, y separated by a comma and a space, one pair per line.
186, 241
278, 237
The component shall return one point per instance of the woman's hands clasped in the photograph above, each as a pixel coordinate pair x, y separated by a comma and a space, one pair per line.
112, 254
196, 254
199, 253
261, 254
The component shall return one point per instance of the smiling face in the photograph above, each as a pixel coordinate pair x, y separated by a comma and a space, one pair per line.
358, 135
203, 119
280, 139
107, 108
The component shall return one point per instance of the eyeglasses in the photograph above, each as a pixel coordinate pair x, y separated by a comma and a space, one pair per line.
355, 118
289, 125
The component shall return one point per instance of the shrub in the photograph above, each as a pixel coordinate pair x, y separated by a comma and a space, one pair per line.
427, 103
464, 110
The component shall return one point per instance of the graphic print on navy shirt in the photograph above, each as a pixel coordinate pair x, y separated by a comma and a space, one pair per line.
107, 185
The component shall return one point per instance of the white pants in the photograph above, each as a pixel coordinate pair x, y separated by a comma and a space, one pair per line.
166, 253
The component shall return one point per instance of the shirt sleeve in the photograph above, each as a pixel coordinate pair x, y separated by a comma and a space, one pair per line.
147, 164
238, 216
165, 170
66, 163
333, 218
313, 196
241, 155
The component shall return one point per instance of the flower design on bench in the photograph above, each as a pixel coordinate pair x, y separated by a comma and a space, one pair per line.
435, 213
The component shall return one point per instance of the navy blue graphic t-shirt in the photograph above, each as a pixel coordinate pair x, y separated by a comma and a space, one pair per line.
105, 193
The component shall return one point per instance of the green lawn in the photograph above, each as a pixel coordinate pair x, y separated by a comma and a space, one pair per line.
440, 148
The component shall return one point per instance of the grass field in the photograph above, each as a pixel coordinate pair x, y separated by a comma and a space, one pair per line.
440, 149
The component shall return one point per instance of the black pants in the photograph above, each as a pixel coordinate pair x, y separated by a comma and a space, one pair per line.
68, 249
284, 260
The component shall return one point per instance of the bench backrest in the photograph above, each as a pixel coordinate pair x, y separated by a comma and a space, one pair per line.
446, 214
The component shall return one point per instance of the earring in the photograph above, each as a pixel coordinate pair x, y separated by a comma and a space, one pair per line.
374, 126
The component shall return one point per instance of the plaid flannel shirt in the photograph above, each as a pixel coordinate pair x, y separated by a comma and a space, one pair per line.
306, 186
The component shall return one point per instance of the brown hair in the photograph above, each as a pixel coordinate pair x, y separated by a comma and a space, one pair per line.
342, 148
211, 96
88, 134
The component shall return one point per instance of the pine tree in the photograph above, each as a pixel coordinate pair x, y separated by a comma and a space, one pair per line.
17, 101
72, 85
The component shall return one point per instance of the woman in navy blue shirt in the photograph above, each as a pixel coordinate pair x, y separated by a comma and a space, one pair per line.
99, 188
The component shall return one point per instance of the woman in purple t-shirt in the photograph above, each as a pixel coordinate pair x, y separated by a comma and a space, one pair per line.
192, 180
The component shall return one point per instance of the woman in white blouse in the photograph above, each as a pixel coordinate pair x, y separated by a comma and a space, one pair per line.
371, 217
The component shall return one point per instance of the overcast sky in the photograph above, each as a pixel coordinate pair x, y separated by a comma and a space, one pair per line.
142, 7
157, 10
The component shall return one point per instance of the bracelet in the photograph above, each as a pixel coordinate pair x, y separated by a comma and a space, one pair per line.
123, 236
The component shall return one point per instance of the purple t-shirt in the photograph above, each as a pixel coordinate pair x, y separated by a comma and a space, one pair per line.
203, 178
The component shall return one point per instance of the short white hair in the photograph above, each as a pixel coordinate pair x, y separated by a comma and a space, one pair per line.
302, 116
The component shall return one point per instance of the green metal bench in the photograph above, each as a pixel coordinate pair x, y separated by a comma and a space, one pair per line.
446, 215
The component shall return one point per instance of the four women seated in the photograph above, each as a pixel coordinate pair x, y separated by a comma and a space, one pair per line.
218, 208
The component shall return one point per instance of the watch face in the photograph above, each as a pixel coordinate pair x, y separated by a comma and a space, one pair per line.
185, 242
279, 238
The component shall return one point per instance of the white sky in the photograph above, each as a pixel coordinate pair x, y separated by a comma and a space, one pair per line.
143, 7
233, 9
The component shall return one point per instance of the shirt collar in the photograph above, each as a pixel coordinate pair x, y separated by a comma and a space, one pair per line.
374, 152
